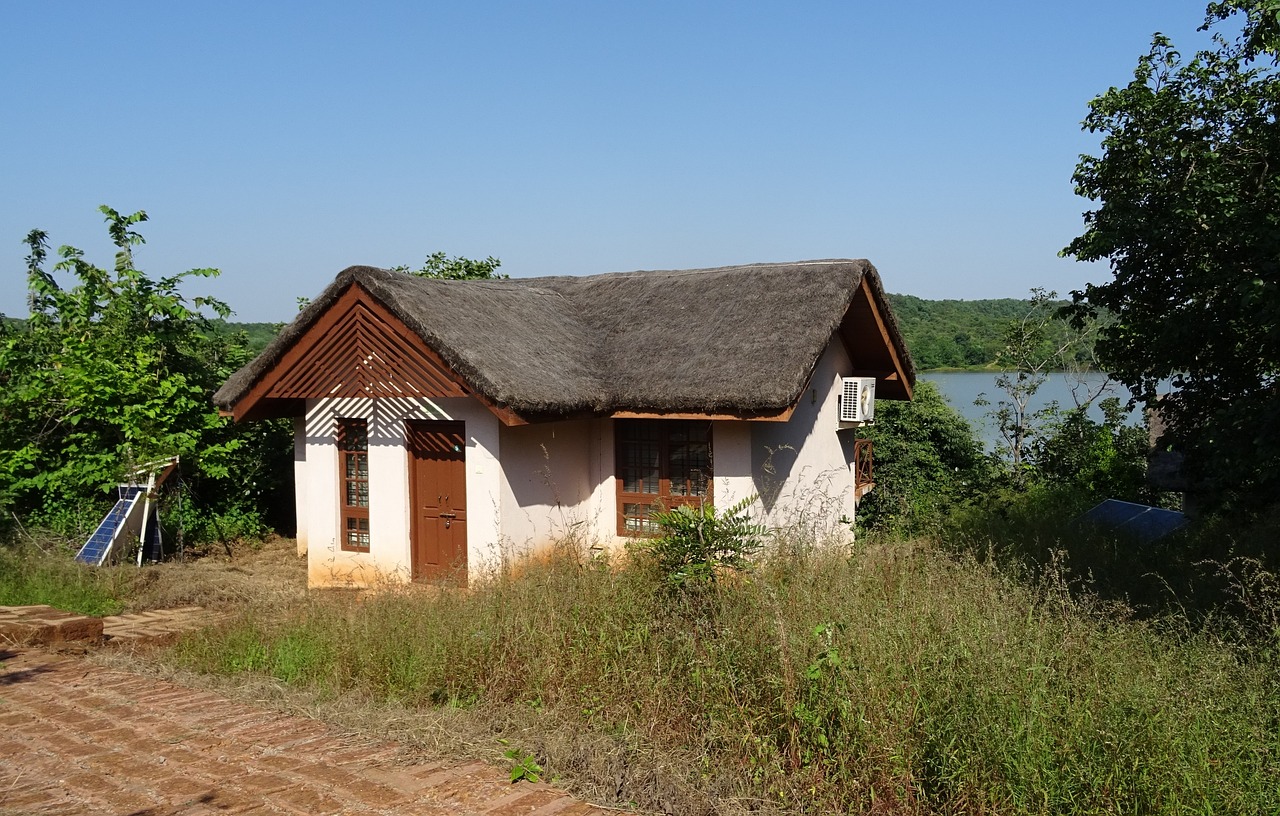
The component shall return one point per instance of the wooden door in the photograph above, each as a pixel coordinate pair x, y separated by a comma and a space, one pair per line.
438, 498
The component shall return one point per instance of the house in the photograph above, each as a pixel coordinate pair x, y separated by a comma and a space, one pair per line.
441, 425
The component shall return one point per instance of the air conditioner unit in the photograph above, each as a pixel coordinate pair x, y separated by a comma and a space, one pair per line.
857, 400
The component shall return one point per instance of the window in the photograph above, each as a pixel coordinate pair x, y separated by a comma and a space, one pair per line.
353, 473
663, 463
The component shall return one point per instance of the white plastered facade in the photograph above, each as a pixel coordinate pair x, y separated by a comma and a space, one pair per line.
318, 508
529, 486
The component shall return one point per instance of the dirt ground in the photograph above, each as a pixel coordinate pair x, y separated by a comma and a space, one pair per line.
225, 578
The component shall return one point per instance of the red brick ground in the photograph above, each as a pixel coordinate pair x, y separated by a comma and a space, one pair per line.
76, 738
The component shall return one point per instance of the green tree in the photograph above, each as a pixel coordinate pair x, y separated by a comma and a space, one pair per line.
927, 460
1188, 217
1106, 459
954, 333
440, 265
114, 371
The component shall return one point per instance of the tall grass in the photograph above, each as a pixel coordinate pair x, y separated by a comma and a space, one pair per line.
896, 678
1219, 573
30, 575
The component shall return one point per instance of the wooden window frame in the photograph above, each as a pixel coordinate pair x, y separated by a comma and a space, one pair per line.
352, 516
664, 498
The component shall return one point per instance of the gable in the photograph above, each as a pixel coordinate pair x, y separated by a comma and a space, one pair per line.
357, 348
869, 335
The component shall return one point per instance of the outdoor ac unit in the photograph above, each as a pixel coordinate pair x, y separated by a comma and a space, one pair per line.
857, 400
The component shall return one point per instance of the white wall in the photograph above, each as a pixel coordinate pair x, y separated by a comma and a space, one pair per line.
300, 480
388, 557
558, 479
803, 468
547, 489
602, 505
731, 463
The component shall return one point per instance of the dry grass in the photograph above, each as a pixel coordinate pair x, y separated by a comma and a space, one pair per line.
266, 575
40, 569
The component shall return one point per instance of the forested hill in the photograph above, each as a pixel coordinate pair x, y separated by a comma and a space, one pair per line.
258, 334
955, 333
939, 333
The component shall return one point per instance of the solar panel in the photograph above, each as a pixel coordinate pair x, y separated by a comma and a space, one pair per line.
1141, 521
153, 547
96, 549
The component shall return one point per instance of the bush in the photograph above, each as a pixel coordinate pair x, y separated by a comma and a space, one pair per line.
928, 461
698, 543
112, 372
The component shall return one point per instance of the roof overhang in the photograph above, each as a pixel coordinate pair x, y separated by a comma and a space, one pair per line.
750, 416
874, 347
358, 341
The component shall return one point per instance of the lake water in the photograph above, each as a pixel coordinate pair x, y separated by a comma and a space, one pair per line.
962, 388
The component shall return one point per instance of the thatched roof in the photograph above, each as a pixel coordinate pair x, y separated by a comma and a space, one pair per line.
738, 340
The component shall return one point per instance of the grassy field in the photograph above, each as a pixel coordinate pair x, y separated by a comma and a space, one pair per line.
30, 574
896, 678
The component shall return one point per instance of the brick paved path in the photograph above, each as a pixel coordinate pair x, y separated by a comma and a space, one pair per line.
76, 738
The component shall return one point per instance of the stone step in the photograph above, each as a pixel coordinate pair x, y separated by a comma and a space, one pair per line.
46, 626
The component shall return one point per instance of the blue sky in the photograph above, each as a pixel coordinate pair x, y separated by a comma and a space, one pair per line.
282, 142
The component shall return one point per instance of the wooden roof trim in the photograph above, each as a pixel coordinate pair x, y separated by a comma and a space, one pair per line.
318, 336
389, 356
899, 375
778, 416
899, 371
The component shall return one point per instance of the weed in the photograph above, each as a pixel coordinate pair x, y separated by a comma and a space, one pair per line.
698, 542
30, 574
524, 766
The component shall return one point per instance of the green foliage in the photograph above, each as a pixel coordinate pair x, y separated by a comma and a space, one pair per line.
1216, 576
1188, 217
524, 766
254, 336
440, 265
1053, 445
952, 333
1038, 342
114, 371
1102, 459
698, 543
965, 334
928, 460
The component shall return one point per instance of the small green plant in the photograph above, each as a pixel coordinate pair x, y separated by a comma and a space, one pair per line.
524, 766
699, 543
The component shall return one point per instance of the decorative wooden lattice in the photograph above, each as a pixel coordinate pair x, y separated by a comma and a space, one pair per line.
359, 353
